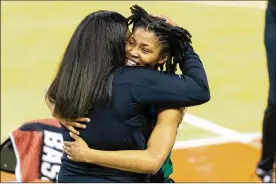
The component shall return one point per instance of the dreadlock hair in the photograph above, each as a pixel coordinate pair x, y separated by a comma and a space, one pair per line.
173, 38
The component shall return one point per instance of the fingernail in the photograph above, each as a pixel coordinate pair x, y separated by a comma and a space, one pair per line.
84, 126
88, 120
78, 133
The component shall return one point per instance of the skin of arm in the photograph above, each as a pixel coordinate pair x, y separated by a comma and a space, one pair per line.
150, 160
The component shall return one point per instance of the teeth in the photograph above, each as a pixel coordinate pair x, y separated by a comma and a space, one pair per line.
130, 62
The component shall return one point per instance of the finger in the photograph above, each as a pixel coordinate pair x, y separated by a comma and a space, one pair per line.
83, 120
79, 125
67, 150
166, 19
63, 123
74, 136
158, 16
66, 143
155, 15
73, 130
70, 158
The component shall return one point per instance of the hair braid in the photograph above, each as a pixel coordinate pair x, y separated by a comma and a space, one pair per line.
173, 38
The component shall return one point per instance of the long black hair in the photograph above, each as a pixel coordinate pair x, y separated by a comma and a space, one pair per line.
174, 39
96, 48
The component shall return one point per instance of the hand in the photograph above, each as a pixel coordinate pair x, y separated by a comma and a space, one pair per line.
76, 150
183, 112
70, 124
168, 21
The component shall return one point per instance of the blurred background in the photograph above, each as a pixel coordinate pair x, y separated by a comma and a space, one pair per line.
218, 141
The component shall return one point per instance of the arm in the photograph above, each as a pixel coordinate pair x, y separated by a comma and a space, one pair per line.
140, 161
169, 90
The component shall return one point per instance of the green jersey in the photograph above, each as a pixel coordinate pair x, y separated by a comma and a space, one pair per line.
167, 167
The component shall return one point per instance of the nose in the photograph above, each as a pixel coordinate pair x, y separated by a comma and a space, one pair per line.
133, 53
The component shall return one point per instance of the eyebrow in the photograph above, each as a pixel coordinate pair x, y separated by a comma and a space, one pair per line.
142, 44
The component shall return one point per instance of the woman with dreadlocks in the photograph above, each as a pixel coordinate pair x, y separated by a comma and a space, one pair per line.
134, 91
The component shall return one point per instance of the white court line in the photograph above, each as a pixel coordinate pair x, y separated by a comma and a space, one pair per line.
213, 127
213, 141
201, 142
254, 135
239, 4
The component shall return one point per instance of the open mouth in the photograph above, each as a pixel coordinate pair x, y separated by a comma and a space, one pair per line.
130, 62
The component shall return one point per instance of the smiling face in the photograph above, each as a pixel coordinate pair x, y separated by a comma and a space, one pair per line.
144, 49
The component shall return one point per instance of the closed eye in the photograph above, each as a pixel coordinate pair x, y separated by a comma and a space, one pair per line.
146, 51
130, 42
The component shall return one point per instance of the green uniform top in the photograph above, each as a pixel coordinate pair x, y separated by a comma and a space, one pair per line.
167, 167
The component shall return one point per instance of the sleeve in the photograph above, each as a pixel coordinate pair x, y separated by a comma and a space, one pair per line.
166, 90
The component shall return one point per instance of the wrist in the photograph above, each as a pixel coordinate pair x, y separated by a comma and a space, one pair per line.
90, 156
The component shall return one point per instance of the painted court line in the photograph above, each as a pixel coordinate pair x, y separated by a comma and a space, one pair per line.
214, 141
255, 135
254, 143
213, 127
201, 142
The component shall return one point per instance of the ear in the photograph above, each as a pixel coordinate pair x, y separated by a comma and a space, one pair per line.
163, 59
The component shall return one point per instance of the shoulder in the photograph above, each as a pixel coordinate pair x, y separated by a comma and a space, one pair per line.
135, 75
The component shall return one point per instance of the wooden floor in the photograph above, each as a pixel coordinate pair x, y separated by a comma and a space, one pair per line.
230, 162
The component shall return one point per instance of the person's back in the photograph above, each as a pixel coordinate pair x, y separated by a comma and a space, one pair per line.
117, 126
109, 130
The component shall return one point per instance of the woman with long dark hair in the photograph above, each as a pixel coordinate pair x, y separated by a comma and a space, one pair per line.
92, 82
